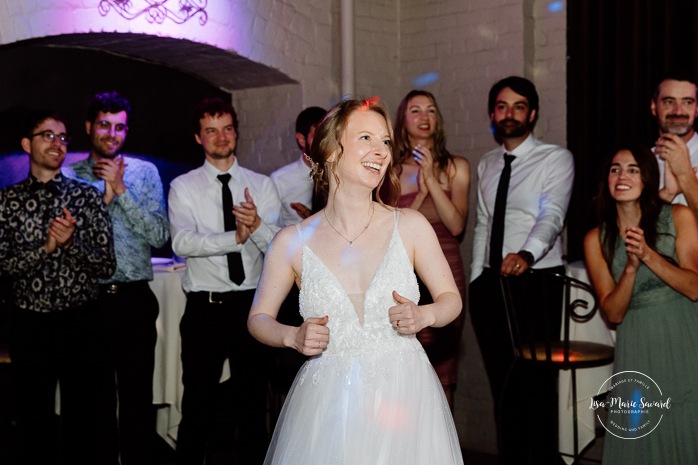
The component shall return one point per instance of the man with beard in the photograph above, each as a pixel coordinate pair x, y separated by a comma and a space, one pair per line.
133, 192
222, 217
675, 108
55, 241
523, 192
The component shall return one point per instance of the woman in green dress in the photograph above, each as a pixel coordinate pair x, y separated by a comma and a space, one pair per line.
643, 263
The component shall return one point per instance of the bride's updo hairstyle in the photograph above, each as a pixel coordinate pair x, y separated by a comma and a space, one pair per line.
328, 142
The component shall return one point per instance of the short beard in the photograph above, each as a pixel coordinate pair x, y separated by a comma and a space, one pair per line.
501, 132
677, 129
106, 155
102, 154
221, 155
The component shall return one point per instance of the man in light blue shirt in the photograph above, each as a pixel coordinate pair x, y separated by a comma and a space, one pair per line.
133, 192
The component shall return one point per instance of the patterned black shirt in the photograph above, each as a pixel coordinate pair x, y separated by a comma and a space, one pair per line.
66, 278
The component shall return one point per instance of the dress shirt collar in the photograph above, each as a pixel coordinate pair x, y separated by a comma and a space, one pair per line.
53, 185
83, 169
301, 161
212, 172
523, 149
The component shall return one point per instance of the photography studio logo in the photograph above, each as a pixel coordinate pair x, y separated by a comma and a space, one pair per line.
634, 405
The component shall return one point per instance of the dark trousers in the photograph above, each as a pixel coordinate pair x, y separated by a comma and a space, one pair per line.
129, 315
210, 333
67, 348
288, 360
525, 397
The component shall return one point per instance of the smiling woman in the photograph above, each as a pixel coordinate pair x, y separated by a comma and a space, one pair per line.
368, 390
643, 262
436, 183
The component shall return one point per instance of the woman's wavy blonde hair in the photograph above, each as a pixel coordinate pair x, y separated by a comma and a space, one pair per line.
328, 141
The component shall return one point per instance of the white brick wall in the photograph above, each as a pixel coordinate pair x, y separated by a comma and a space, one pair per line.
469, 43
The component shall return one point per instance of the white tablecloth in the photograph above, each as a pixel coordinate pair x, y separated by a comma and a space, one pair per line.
588, 379
167, 377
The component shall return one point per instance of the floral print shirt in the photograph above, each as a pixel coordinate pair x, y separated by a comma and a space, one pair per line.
66, 278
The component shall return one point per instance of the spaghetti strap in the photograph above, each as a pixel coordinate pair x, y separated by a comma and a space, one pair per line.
300, 233
371, 393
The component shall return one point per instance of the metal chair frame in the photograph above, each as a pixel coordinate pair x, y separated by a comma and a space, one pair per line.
563, 354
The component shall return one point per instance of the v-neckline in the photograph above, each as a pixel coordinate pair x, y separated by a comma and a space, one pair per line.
370, 284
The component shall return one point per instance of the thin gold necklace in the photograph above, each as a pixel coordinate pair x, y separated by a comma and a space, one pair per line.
351, 242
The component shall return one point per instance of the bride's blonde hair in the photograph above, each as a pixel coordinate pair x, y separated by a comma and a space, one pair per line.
328, 141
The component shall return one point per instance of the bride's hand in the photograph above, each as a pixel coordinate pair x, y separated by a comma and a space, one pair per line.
313, 336
405, 316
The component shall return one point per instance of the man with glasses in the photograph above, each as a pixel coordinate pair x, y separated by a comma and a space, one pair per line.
55, 242
133, 192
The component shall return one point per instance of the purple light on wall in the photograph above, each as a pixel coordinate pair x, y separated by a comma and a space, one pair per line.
159, 12
15, 167
425, 79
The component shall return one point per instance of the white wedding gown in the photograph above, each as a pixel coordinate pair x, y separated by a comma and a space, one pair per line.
372, 397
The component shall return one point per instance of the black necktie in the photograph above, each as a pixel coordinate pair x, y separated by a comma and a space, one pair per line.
500, 207
235, 268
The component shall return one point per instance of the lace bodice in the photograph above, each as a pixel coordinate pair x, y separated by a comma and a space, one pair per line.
372, 394
322, 294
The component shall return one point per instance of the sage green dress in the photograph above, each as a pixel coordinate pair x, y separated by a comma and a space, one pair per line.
658, 338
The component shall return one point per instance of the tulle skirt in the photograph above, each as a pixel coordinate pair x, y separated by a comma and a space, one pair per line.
380, 409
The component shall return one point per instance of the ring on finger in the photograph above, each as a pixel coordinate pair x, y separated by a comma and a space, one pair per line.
517, 266
397, 324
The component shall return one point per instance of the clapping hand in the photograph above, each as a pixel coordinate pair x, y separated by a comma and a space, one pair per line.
246, 217
301, 209
112, 172
672, 149
425, 160
60, 232
635, 246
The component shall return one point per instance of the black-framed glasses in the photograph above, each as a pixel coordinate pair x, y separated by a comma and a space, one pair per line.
105, 126
50, 136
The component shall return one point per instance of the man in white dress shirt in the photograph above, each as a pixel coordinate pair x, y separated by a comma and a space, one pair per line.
293, 181
295, 188
223, 267
675, 108
539, 190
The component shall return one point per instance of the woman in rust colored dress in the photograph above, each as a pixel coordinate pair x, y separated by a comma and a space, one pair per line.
436, 183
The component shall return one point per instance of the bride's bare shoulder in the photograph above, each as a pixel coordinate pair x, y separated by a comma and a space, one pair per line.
411, 218
289, 239
414, 228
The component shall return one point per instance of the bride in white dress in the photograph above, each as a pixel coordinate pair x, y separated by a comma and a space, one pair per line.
368, 394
